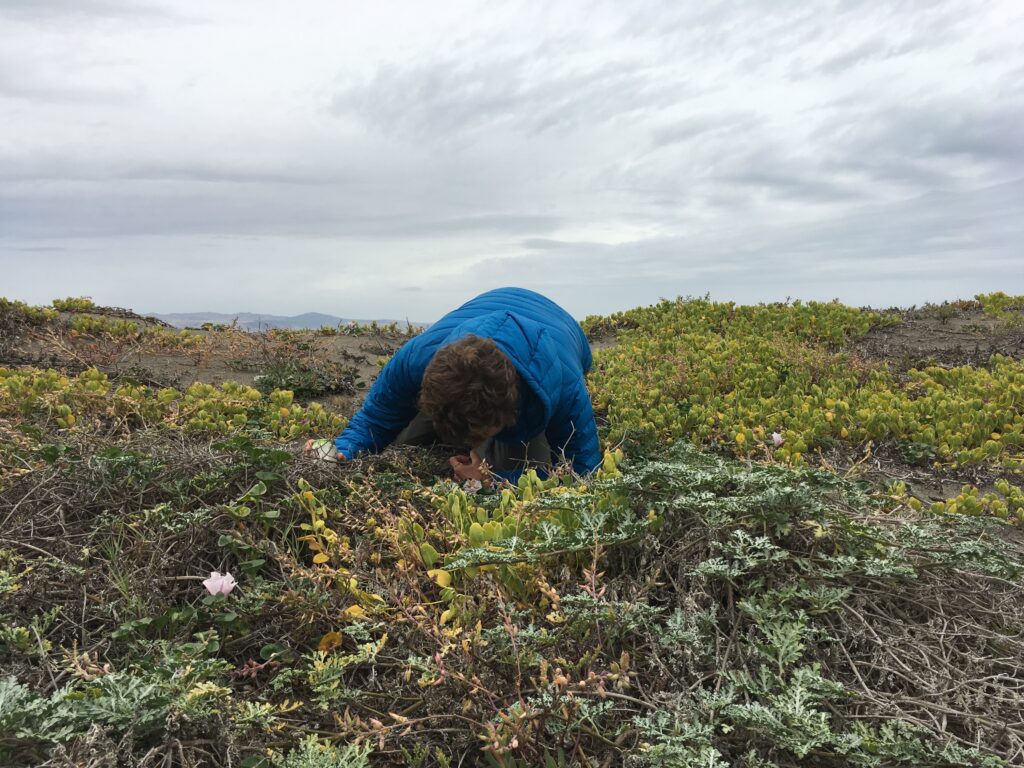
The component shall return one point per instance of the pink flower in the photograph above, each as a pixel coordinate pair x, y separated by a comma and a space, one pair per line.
219, 584
777, 439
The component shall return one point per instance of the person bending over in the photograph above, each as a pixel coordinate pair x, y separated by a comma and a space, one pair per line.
502, 377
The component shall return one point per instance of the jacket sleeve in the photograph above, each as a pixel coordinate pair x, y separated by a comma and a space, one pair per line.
572, 432
389, 406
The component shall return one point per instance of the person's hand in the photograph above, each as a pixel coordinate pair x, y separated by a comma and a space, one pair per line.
309, 449
470, 467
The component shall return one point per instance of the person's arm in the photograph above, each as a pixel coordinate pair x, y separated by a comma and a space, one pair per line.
572, 432
389, 406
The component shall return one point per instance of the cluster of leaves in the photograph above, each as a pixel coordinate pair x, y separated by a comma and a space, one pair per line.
90, 325
791, 685
829, 322
731, 375
74, 304
80, 323
309, 378
124, 330
1002, 306
18, 311
165, 669
354, 328
90, 400
1006, 502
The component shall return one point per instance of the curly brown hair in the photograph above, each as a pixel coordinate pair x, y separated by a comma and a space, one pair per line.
469, 389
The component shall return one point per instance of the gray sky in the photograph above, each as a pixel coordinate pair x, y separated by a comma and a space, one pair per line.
393, 159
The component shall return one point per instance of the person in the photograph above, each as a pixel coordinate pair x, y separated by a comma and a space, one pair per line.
502, 375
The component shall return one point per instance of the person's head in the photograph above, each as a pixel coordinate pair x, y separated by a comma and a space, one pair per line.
470, 391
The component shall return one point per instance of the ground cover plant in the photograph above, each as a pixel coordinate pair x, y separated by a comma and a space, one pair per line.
180, 586
779, 383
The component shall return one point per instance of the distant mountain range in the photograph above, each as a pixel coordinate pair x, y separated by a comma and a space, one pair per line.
252, 321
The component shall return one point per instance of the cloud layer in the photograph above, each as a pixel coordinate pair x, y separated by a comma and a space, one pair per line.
395, 160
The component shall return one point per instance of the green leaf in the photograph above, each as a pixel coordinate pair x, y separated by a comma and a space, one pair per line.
52, 451
255, 492
249, 567
429, 554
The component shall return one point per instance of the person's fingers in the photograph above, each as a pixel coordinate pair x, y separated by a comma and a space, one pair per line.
308, 446
475, 458
341, 456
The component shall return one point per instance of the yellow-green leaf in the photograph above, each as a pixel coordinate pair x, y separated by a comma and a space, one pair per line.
355, 612
441, 578
476, 534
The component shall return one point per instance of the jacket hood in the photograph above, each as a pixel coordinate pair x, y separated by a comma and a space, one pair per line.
528, 345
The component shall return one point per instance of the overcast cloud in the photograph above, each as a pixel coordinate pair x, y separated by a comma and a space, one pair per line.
393, 159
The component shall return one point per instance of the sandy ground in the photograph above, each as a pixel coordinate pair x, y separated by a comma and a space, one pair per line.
930, 336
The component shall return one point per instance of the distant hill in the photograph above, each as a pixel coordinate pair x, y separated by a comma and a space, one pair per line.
252, 321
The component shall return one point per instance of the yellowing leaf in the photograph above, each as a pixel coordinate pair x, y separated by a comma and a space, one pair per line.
321, 557
355, 612
330, 641
447, 615
441, 578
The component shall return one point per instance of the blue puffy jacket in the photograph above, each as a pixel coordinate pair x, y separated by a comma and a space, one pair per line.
547, 347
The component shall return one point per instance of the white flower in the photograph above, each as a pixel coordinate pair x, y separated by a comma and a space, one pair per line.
778, 439
472, 486
219, 584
